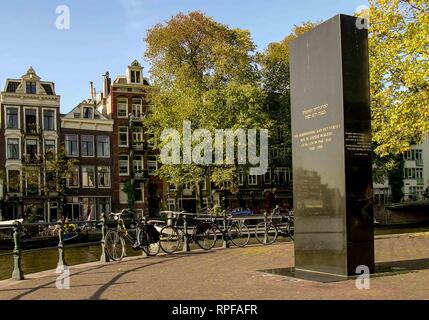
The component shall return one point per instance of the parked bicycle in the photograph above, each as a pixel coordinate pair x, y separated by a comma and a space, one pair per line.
145, 237
268, 231
205, 233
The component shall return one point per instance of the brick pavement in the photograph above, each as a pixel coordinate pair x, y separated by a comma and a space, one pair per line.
231, 274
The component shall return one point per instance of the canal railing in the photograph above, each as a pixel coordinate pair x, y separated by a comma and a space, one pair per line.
18, 226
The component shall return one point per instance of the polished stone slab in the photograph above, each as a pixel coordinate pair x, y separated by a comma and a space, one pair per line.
331, 148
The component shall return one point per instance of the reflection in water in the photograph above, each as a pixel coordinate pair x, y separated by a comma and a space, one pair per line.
46, 259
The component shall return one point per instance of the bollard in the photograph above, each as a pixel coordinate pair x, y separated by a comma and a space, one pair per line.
61, 257
225, 244
266, 228
17, 274
186, 247
104, 257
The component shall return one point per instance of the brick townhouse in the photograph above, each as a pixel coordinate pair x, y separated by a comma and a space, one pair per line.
87, 137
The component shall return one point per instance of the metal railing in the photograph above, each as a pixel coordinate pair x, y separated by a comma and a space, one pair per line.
18, 226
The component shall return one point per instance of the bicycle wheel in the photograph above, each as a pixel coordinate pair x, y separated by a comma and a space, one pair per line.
239, 234
151, 249
290, 230
266, 233
169, 239
206, 237
114, 245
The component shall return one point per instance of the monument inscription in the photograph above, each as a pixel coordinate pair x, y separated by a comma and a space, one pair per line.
331, 139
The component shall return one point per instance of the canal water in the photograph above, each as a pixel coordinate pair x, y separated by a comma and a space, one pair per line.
46, 259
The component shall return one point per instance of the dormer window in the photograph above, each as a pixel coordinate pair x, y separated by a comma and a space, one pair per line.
31, 87
135, 76
87, 113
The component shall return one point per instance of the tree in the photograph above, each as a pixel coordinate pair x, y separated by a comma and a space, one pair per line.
204, 72
399, 60
274, 68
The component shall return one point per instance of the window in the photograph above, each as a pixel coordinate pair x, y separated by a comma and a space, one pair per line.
30, 120
123, 136
31, 150
138, 165
14, 180
103, 177
152, 165
88, 177
267, 176
204, 184
87, 147
31, 87
241, 177
252, 180
205, 203
50, 149
123, 197
13, 149
137, 107
135, 76
12, 118
138, 137
103, 146
151, 142
71, 145
282, 176
139, 192
122, 107
123, 166
88, 113
171, 204
73, 179
48, 120
51, 181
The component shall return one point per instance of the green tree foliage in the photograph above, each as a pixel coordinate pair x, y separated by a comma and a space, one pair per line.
399, 60
204, 72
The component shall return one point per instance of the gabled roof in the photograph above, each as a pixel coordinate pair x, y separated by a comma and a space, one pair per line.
78, 110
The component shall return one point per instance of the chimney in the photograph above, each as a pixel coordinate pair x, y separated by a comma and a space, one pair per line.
91, 90
106, 84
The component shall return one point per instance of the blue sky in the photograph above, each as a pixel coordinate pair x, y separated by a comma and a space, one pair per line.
106, 35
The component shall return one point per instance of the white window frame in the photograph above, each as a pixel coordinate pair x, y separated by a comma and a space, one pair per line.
77, 145
20, 180
108, 139
140, 106
142, 191
81, 146
77, 170
19, 117
128, 165
123, 197
19, 148
99, 169
252, 180
119, 137
55, 117
117, 105
37, 118
95, 177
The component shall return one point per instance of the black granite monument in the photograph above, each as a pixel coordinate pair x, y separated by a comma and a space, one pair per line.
331, 132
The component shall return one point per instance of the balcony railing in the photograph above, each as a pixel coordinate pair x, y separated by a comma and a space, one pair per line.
141, 174
32, 128
32, 159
